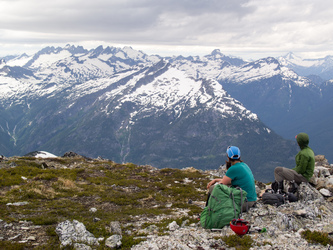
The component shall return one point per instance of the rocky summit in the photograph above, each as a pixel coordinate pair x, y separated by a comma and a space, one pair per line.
74, 202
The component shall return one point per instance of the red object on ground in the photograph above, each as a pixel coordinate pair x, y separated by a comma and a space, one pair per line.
239, 226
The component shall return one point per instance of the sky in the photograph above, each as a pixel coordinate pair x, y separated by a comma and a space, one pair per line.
249, 29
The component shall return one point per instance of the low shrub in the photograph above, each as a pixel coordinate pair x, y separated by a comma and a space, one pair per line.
317, 237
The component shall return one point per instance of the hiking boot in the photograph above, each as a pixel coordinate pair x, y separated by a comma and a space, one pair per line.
292, 187
280, 188
275, 186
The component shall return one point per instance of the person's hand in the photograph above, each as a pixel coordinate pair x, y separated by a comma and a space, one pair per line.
211, 183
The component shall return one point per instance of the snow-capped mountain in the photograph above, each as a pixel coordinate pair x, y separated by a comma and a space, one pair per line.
182, 111
322, 67
122, 105
242, 73
284, 100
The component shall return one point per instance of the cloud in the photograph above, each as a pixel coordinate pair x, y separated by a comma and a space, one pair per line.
106, 18
231, 25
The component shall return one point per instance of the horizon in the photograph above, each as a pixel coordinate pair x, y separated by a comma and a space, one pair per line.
249, 29
169, 51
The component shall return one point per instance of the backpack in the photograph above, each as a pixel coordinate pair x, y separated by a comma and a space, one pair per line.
287, 187
224, 205
272, 198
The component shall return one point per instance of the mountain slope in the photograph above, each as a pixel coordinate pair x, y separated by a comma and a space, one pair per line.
322, 67
154, 115
283, 100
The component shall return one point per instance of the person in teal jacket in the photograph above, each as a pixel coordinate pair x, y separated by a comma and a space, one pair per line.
239, 175
305, 162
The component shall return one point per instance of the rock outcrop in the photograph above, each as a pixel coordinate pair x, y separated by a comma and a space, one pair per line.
272, 227
283, 225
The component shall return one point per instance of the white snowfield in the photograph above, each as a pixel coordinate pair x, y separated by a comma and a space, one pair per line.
79, 75
44, 154
185, 83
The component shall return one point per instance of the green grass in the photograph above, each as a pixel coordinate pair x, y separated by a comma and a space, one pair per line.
118, 192
239, 242
317, 237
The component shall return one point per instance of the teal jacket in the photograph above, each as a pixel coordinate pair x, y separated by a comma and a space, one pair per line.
305, 160
241, 176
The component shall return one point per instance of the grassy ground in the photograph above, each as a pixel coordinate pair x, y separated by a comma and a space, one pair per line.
62, 189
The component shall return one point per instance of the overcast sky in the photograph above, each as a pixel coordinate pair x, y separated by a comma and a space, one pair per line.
243, 28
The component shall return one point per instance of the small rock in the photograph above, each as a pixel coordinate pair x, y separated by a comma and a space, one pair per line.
173, 226
93, 210
325, 192
114, 241
301, 212
15, 237
96, 219
13, 165
18, 203
80, 246
319, 158
115, 227
74, 232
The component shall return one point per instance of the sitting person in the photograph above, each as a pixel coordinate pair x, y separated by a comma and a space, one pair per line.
305, 162
239, 175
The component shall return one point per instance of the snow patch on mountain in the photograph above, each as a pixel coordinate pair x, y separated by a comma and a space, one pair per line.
12, 88
261, 69
242, 74
174, 90
250, 72
19, 60
293, 60
41, 154
46, 60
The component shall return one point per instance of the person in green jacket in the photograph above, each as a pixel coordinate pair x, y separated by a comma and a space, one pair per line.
305, 162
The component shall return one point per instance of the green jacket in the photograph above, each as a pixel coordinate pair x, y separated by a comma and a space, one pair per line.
305, 160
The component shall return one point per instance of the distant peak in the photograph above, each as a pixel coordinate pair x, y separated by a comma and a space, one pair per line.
128, 47
269, 60
74, 49
291, 56
100, 47
216, 52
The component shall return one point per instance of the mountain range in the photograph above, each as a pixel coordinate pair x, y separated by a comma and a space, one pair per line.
176, 112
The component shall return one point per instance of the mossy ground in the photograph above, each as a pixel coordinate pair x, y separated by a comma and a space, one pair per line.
317, 237
66, 188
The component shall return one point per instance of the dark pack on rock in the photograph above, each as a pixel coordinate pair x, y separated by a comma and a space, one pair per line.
272, 198
286, 186
224, 205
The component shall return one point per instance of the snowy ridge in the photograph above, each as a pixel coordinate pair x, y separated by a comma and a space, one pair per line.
56, 69
12, 88
127, 106
322, 67
41, 154
19, 60
174, 90
261, 69
245, 73
292, 60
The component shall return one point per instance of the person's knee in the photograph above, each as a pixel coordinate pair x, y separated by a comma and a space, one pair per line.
211, 188
278, 170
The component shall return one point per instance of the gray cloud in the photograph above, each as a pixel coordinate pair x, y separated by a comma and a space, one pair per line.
231, 25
